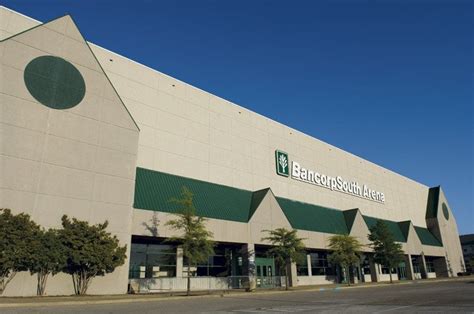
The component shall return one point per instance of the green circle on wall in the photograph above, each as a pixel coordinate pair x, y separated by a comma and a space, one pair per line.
445, 211
54, 82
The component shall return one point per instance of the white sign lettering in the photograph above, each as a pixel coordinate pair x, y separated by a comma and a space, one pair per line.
335, 183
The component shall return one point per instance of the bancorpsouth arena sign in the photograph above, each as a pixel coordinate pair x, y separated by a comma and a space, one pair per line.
333, 183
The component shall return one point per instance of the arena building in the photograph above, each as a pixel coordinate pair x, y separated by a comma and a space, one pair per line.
94, 135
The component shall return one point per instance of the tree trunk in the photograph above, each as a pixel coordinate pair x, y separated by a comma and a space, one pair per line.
84, 284
74, 283
287, 281
348, 275
81, 282
5, 280
41, 285
390, 271
188, 287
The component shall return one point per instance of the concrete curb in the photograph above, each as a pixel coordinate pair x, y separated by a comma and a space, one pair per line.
148, 298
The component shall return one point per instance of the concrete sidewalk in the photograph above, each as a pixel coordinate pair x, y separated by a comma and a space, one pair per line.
9, 302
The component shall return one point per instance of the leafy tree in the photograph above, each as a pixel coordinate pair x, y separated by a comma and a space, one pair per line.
287, 248
386, 251
16, 234
91, 251
47, 257
346, 252
196, 240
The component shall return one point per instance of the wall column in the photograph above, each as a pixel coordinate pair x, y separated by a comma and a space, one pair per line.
293, 275
374, 270
248, 265
358, 277
308, 262
179, 262
423, 268
409, 267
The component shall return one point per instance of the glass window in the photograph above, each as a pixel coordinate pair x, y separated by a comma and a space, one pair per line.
366, 267
429, 265
320, 265
218, 265
385, 270
416, 264
152, 260
302, 267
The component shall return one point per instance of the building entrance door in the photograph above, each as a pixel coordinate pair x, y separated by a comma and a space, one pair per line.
265, 272
402, 271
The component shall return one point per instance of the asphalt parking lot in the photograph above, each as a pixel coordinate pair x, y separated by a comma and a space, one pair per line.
427, 297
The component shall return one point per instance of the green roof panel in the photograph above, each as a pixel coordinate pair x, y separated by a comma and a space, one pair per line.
154, 190
310, 217
404, 228
392, 226
257, 198
433, 199
349, 216
426, 237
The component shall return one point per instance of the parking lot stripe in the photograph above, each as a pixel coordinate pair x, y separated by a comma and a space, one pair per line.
404, 307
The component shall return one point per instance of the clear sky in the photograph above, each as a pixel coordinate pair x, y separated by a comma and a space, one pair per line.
390, 81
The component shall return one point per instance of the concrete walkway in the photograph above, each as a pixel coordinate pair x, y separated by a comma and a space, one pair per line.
11, 302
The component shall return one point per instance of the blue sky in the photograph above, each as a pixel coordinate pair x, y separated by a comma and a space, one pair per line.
390, 81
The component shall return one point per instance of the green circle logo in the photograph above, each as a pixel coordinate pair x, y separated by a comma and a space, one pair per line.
54, 82
445, 211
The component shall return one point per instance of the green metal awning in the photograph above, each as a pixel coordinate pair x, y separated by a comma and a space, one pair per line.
154, 190
426, 237
392, 226
310, 217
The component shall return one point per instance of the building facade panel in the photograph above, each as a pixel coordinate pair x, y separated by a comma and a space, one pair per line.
59, 160
137, 136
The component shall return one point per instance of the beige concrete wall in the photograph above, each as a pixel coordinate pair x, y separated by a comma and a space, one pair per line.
413, 245
183, 131
315, 280
155, 285
223, 230
361, 231
151, 223
429, 250
446, 229
189, 132
12, 22
386, 277
79, 161
268, 216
